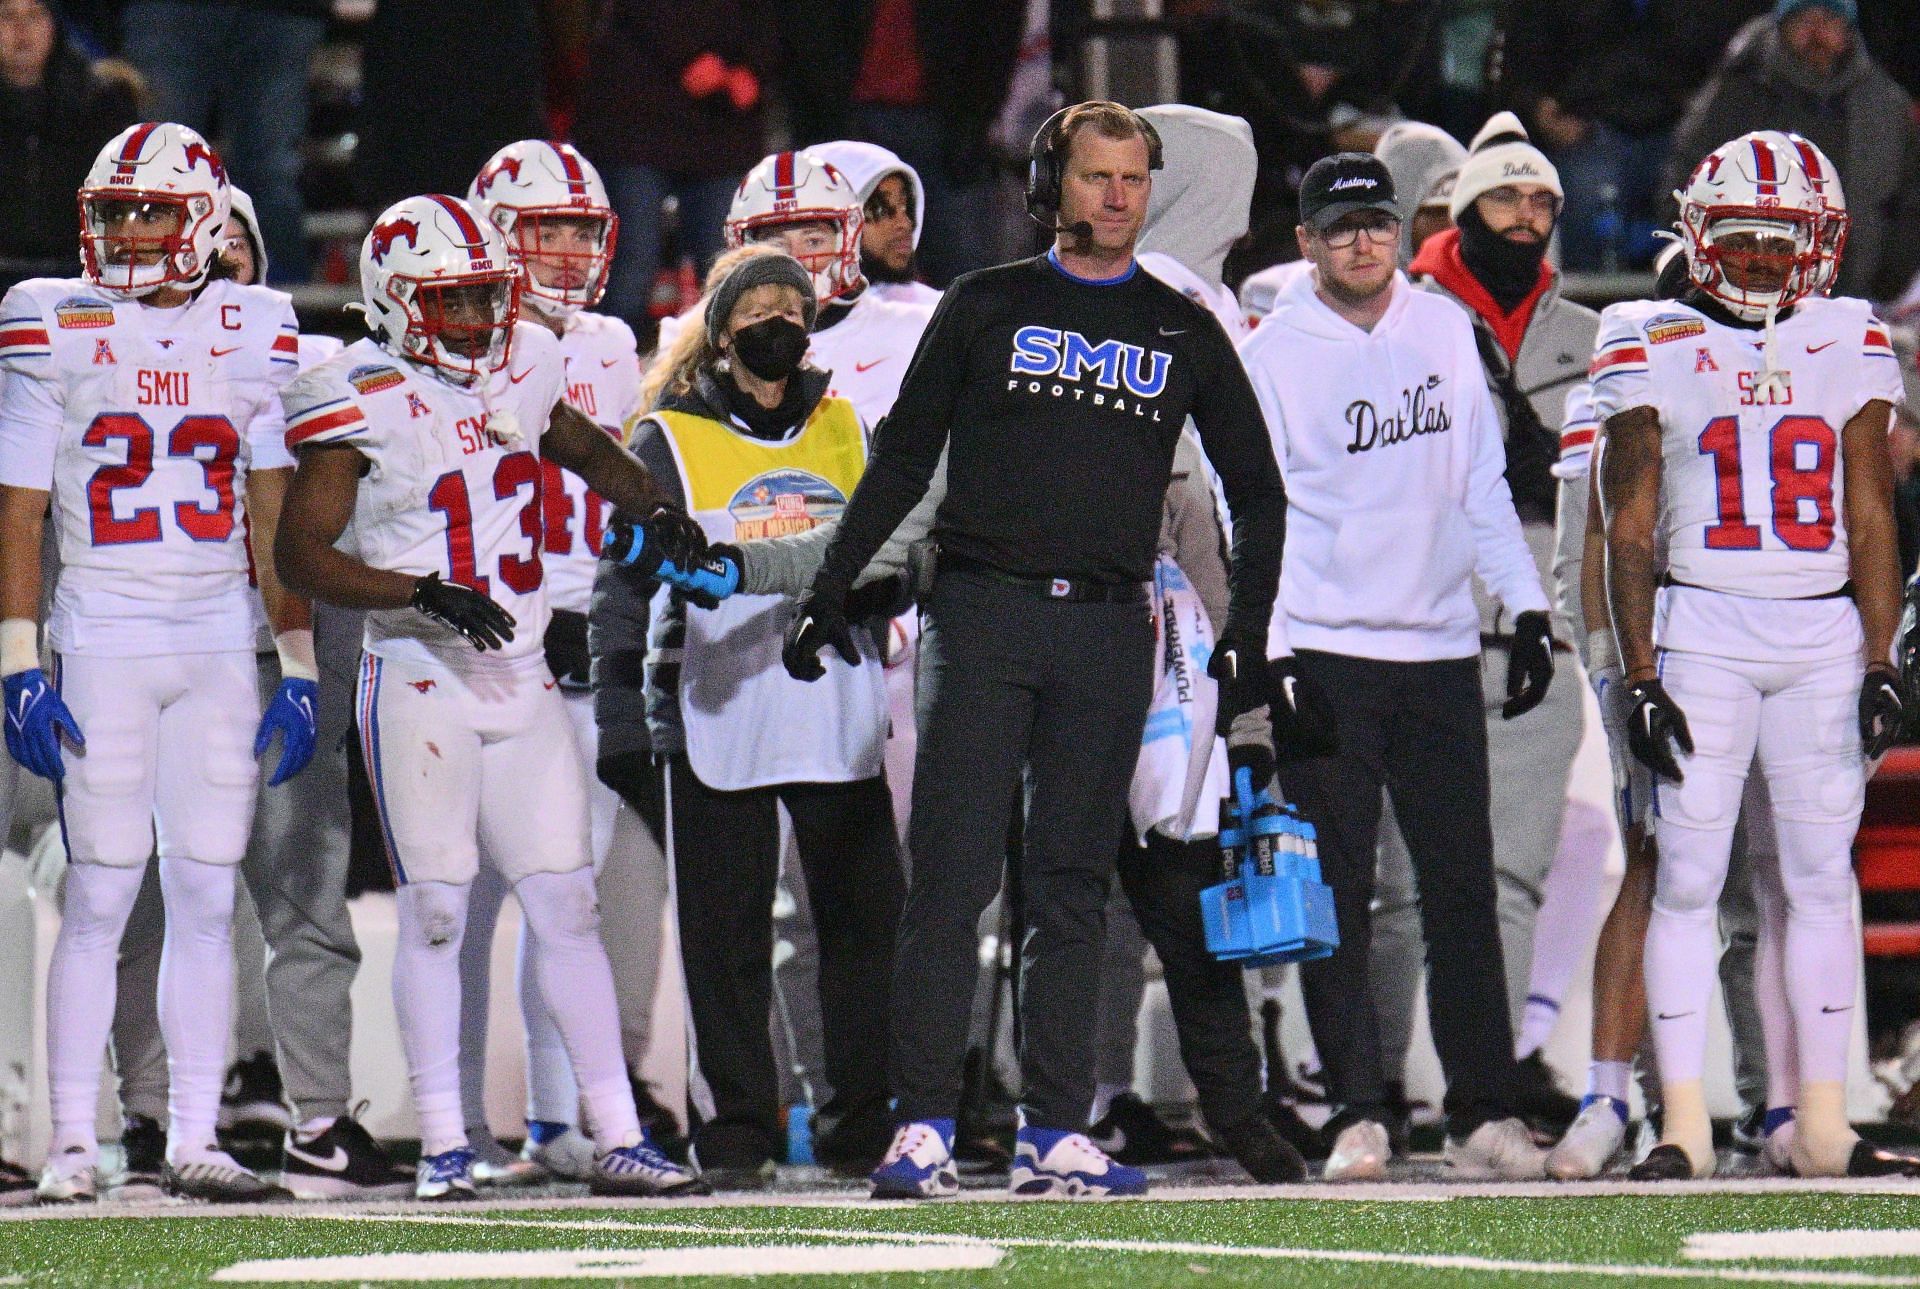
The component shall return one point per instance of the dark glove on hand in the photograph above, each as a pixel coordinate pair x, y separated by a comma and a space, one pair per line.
1907, 650
716, 577
677, 536
818, 621
1239, 663
1303, 723
1883, 713
461, 608
1529, 664
886, 597
1655, 724
1256, 757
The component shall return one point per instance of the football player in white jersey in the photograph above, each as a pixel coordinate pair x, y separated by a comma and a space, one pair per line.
551, 206
142, 402
1746, 425
428, 437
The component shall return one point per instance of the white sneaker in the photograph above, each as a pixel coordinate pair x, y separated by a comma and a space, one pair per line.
68, 1178
568, 1156
1500, 1148
495, 1165
1360, 1154
1048, 1163
918, 1165
1591, 1142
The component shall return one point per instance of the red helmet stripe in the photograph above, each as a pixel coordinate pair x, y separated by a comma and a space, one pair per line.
470, 234
570, 163
1810, 162
1765, 173
130, 152
783, 182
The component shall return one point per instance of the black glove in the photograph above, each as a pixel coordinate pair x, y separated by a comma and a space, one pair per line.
1529, 664
1303, 724
1883, 713
1908, 648
1655, 720
886, 597
718, 555
566, 646
665, 536
818, 621
1257, 757
1239, 663
484, 624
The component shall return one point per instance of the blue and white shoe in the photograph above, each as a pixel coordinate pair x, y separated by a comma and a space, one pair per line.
639, 1168
1051, 1164
446, 1176
919, 1163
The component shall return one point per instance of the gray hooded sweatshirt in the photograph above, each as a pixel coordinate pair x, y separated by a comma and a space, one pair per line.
1204, 189
1418, 156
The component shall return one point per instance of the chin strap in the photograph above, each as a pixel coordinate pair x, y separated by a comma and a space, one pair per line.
1770, 373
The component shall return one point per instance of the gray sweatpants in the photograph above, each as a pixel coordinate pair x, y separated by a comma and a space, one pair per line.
1013, 687
295, 873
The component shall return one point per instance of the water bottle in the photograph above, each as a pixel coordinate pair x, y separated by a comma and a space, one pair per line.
800, 1133
1609, 228
1266, 836
1233, 841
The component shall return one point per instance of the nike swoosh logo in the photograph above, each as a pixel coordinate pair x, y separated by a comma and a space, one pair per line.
1672, 1015
334, 1163
1173, 331
513, 379
1831, 1011
1814, 349
552, 683
605, 363
868, 366
222, 353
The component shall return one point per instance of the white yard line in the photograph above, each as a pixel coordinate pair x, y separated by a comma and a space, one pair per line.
615, 1264
1435, 1261
1800, 1246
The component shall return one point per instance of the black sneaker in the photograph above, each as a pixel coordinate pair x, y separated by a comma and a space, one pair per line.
1664, 1163
1263, 1152
1869, 1160
17, 1185
854, 1143
1132, 1133
253, 1100
143, 1145
343, 1162
1535, 1097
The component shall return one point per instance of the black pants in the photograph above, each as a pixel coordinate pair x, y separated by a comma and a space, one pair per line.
1419, 728
1163, 880
1012, 683
726, 862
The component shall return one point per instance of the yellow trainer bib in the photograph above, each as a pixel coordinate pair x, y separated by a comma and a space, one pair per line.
742, 489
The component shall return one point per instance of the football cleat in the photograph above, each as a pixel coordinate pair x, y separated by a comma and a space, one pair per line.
446, 1176
1869, 1160
1591, 1143
1666, 1162
1267, 1156
17, 1185
217, 1178
496, 1166
1049, 1163
638, 1168
1498, 1148
1360, 1154
567, 1155
918, 1165
143, 1150
342, 1161
68, 1178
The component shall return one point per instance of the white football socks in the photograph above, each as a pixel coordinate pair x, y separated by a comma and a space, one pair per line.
426, 999
196, 999
81, 980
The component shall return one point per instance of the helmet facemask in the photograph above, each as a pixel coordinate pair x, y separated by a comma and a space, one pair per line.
460, 326
565, 254
1756, 261
826, 242
132, 243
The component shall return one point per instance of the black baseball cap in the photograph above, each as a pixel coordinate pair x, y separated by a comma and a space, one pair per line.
1343, 183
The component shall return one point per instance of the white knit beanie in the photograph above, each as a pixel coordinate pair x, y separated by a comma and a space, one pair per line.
1501, 154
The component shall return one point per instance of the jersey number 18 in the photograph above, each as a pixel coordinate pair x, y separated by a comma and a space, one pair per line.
1792, 484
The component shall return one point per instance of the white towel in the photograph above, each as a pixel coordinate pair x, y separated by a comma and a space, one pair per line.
1182, 772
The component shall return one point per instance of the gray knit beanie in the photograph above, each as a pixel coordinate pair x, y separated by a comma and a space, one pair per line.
760, 270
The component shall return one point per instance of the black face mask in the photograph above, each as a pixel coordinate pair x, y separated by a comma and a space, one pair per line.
1508, 269
772, 349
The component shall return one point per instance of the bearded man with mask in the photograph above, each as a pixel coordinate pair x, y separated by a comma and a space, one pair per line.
1534, 346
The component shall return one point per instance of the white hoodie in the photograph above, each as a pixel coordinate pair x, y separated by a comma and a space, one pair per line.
1394, 468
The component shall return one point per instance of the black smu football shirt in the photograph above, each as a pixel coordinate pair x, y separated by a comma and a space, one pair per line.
1059, 400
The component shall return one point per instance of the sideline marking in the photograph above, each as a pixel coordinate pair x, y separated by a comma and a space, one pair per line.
1801, 1246
615, 1264
1436, 1261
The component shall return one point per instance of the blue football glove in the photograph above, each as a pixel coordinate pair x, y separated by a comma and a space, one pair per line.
291, 714
710, 581
35, 719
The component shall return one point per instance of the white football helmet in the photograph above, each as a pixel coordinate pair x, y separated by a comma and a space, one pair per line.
439, 287
803, 188
534, 191
1835, 222
153, 210
1752, 185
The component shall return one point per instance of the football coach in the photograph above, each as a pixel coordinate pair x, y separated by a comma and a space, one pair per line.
1057, 386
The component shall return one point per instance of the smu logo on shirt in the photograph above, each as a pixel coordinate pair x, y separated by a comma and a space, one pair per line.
1047, 351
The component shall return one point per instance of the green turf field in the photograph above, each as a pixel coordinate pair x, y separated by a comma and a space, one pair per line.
1429, 1235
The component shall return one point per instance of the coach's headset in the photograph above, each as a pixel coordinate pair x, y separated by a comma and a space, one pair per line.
1047, 164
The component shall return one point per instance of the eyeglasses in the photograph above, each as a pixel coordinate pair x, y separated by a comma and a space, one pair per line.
1381, 230
1509, 200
